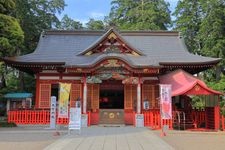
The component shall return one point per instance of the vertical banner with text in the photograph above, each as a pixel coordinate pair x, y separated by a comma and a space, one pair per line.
53, 112
165, 101
64, 93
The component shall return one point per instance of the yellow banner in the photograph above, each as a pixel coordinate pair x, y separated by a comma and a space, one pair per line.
64, 93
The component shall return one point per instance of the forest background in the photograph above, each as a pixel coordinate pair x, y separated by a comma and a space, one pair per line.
201, 23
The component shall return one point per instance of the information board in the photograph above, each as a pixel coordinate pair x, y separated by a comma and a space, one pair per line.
75, 118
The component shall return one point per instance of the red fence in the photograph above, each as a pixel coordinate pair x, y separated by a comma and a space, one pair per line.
35, 117
198, 117
153, 120
222, 122
29, 116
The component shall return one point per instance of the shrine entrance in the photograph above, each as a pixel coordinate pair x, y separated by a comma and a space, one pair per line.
111, 102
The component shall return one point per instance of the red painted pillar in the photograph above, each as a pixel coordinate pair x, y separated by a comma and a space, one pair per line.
139, 97
217, 117
37, 91
85, 96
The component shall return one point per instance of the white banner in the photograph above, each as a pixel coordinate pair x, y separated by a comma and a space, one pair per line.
165, 101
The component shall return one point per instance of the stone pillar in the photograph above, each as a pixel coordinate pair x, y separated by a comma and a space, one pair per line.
139, 97
84, 116
139, 118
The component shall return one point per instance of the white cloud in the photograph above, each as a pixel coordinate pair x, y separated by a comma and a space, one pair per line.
97, 15
83, 21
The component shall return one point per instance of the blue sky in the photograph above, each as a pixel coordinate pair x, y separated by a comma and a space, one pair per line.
82, 10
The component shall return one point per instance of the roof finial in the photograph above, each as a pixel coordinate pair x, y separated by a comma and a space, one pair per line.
112, 26
43, 33
180, 35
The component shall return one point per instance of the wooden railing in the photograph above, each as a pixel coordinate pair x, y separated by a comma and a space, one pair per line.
153, 120
36, 117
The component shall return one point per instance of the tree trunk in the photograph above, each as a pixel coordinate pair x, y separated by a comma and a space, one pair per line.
21, 81
218, 72
3, 82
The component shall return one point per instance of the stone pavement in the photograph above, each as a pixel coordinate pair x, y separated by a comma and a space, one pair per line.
110, 138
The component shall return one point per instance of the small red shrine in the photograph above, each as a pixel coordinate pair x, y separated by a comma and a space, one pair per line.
115, 72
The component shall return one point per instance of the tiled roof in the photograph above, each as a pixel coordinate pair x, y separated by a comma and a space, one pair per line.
158, 47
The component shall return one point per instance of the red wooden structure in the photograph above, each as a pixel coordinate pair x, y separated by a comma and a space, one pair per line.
125, 68
36, 117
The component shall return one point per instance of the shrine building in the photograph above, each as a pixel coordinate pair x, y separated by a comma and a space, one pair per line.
115, 72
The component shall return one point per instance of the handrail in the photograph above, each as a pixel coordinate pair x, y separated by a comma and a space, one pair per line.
178, 113
184, 119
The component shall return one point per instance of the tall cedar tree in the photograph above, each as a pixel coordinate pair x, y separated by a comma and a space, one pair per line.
188, 15
95, 24
35, 16
69, 24
140, 14
202, 23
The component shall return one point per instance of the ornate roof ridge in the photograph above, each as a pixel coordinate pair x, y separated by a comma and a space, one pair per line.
121, 32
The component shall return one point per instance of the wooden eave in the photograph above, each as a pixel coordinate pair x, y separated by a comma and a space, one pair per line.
132, 69
214, 62
33, 67
189, 67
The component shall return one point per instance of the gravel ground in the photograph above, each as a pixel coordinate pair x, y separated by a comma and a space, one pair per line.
193, 140
35, 138
27, 138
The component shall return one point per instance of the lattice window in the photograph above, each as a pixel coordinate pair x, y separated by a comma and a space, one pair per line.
45, 94
92, 96
151, 93
76, 92
130, 96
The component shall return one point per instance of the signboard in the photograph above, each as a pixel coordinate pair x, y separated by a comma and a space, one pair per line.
64, 93
146, 105
165, 101
75, 118
139, 120
53, 112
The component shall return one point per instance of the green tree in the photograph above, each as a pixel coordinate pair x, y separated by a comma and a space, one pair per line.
35, 16
69, 24
188, 15
11, 33
202, 25
212, 31
140, 14
95, 24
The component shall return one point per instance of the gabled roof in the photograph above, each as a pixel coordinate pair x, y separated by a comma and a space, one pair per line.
110, 32
65, 49
184, 83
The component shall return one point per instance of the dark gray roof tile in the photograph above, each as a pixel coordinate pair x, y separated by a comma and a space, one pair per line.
157, 47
